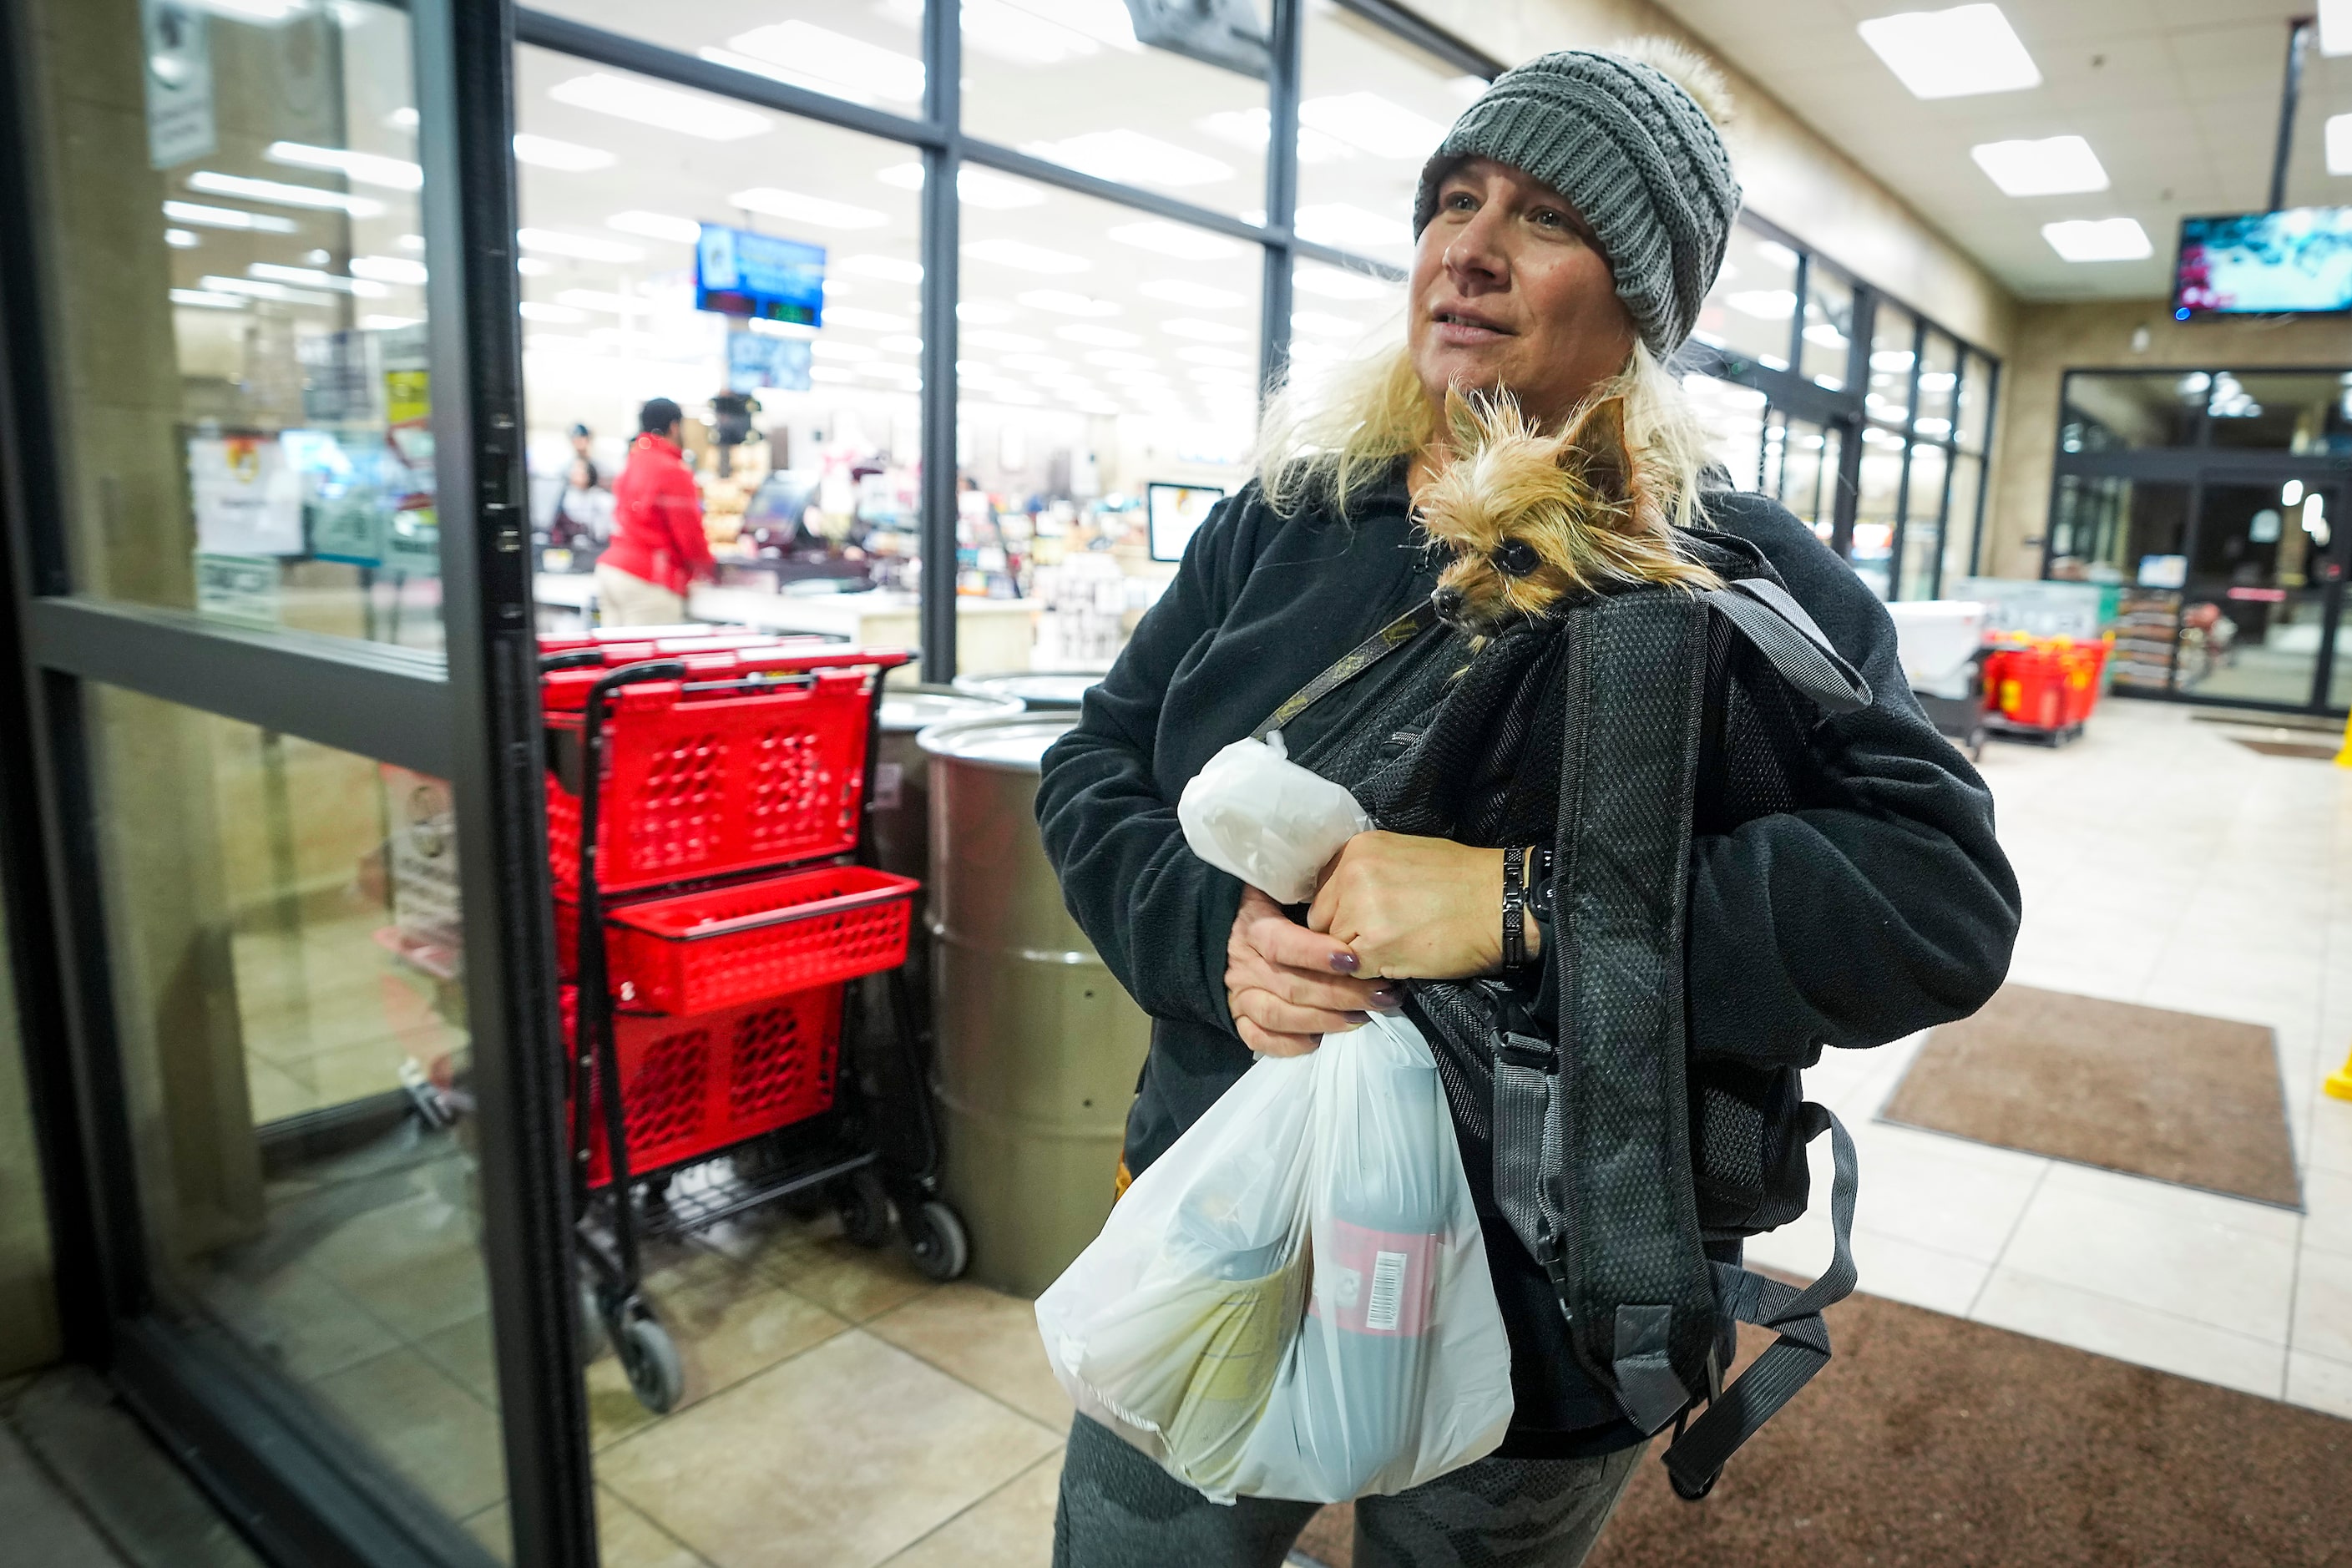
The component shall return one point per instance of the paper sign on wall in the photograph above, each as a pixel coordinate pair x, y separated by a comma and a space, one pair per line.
248, 500
242, 589
177, 47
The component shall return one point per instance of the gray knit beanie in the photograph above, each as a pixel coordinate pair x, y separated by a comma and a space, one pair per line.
1633, 150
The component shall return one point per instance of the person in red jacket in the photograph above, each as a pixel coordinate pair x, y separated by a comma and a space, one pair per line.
658, 546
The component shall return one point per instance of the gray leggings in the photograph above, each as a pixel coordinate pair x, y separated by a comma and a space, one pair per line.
1119, 1510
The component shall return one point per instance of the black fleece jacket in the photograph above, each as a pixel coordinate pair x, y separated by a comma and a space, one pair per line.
1849, 924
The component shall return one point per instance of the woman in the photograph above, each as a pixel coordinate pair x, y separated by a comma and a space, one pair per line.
658, 549
1567, 229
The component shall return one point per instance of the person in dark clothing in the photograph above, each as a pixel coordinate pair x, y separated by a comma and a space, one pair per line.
1846, 887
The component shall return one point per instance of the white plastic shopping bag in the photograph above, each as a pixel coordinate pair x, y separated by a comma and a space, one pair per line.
1251, 811
1293, 1300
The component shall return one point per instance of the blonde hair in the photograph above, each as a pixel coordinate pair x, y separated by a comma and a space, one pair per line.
1328, 439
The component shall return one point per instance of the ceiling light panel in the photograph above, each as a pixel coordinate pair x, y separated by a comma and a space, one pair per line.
657, 226
797, 207
565, 157
834, 62
1184, 291
579, 247
205, 216
889, 268
2335, 27
206, 182
2098, 239
388, 269
1101, 337
1063, 303
366, 168
1956, 53
665, 108
977, 187
2339, 140
1027, 258
1346, 224
2051, 166
867, 321
1334, 283
1202, 332
1174, 240
1370, 123
1130, 155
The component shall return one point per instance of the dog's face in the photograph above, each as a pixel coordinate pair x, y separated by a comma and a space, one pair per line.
1532, 518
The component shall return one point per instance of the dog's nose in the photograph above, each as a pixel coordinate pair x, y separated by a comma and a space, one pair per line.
1446, 602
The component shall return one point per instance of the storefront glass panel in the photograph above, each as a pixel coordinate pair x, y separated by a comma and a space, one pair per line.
2131, 533
1107, 373
2303, 414
1734, 417
1894, 333
2127, 412
285, 944
870, 55
238, 316
1751, 310
1371, 108
1829, 327
2254, 612
1069, 82
1975, 404
1801, 469
1940, 379
1960, 521
1923, 521
804, 436
1875, 510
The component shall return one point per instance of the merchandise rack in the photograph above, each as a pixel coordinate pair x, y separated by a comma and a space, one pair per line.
739, 1106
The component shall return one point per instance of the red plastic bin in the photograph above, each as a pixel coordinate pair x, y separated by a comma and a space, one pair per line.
694, 1086
694, 951
708, 782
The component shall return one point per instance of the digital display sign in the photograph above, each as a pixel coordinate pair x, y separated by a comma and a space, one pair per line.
2295, 260
740, 273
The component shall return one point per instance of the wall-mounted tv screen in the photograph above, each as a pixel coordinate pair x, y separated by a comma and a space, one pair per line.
2297, 259
1174, 514
739, 273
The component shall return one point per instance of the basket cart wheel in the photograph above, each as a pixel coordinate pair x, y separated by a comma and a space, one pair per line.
649, 1356
864, 1207
936, 1236
590, 1307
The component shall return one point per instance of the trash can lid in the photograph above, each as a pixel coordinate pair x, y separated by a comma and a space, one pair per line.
1015, 745
905, 709
1036, 689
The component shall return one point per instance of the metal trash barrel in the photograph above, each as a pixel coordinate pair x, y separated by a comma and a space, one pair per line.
902, 792
1039, 690
1039, 1046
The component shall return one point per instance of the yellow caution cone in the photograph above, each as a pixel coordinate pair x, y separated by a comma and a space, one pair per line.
2339, 1083
2344, 753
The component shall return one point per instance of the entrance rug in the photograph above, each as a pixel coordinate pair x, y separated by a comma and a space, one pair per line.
1932, 1442
2310, 751
2169, 1095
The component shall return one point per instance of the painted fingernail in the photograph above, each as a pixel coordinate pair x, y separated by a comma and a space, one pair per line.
1354, 1017
1345, 962
1387, 999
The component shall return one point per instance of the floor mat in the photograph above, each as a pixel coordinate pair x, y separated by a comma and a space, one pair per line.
2311, 751
1932, 1442
2169, 1095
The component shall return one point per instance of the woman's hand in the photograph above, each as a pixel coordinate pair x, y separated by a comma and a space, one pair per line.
1288, 987
1416, 908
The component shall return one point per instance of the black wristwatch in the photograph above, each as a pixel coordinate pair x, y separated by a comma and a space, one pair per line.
1515, 908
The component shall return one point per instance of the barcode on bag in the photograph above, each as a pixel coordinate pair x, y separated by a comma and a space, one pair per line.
1387, 1292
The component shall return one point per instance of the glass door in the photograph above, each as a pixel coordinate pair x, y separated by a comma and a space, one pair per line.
2262, 582
263, 546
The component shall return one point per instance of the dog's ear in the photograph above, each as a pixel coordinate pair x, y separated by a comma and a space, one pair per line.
1464, 421
1594, 447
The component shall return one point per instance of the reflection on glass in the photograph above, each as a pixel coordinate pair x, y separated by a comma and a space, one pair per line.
1734, 417
1923, 529
804, 437
1940, 379
1894, 344
1960, 522
2253, 616
1976, 403
286, 934
1827, 338
1751, 310
866, 55
1070, 81
241, 314
1880, 491
1371, 108
2303, 414
1100, 353
2131, 533
1801, 469
2123, 411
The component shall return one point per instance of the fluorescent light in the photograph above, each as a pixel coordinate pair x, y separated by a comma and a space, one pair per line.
1336, 283
869, 320
2339, 140
1890, 359
261, 13
411, 242
1937, 380
568, 157
1820, 334
2098, 239
799, 208
978, 187
2052, 167
889, 268
983, 313
203, 216
1176, 241
1932, 426
216, 184
830, 372
388, 269
666, 109
1342, 223
899, 343
829, 348
1014, 342
367, 168
1217, 357
532, 267
539, 310
2335, 27
834, 62
1027, 257
1247, 128
657, 226
1952, 54
1123, 154
1182, 291
180, 239
1063, 303
313, 278
1368, 120
206, 298
255, 289
1204, 332
1101, 337
580, 247
1764, 304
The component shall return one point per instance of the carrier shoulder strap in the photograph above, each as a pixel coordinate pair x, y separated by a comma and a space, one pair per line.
1351, 664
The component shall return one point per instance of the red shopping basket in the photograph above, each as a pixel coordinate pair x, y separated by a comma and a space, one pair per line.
756, 759
694, 1086
2028, 687
691, 953
2082, 662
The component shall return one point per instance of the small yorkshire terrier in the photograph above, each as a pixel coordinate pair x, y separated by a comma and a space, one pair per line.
1535, 518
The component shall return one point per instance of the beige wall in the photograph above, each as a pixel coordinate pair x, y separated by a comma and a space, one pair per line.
2053, 339
1794, 177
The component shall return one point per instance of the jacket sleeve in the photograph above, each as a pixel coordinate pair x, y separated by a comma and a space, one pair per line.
1157, 913
679, 504
1880, 906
